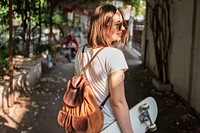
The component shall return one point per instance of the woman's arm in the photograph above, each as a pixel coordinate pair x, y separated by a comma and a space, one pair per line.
118, 101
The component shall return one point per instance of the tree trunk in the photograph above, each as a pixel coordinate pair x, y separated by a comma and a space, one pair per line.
11, 95
50, 21
27, 32
40, 23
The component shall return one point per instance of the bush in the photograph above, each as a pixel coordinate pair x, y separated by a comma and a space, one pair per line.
3, 55
42, 48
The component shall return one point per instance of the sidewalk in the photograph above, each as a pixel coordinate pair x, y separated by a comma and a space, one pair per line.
37, 112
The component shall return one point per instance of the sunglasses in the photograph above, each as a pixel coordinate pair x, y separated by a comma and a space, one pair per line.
119, 25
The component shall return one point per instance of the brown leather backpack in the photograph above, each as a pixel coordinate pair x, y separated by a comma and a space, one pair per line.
80, 112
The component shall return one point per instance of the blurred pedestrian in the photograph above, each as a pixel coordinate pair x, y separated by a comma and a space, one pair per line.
71, 44
106, 72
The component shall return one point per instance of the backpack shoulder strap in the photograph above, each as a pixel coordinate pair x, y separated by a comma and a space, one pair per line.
103, 103
87, 65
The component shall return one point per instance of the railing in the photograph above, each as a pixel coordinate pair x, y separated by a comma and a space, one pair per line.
137, 34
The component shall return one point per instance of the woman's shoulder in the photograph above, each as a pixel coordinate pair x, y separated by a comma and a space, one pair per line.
112, 51
106, 50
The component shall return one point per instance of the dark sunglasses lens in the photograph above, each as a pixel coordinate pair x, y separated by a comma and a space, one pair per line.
120, 26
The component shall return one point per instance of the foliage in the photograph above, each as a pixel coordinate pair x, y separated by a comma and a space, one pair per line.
3, 64
139, 7
35, 14
4, 38
4, 16
57, 18
3, 54
3, 35
42, 48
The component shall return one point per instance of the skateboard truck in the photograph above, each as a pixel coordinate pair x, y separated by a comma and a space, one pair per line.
144, 116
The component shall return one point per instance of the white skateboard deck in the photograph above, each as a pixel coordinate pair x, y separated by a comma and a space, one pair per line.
140, 118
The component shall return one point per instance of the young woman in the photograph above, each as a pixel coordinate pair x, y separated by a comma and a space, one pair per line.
106, 72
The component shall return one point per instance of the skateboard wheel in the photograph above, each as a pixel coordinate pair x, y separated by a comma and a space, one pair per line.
152, 127
145, 106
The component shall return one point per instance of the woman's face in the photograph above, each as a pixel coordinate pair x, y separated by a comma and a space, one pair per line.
117, 28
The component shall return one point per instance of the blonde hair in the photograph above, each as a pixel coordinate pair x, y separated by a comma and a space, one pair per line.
100, 24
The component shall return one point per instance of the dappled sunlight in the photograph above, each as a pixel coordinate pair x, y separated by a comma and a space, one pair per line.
21, 60
40, 77
29, 108
13, 116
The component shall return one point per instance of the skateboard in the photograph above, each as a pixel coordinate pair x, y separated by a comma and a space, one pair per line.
142, 115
